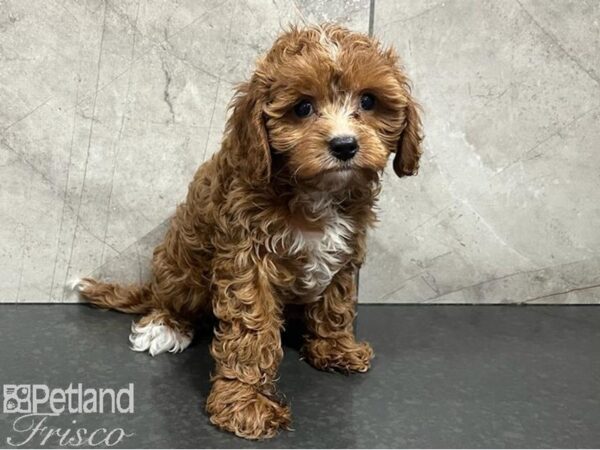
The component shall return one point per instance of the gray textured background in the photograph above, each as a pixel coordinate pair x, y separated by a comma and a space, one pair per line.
108, 107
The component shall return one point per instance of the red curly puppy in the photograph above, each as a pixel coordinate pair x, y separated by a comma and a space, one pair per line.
279, 215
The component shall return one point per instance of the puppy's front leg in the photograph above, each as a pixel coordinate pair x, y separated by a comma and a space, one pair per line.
331, 344
247, 350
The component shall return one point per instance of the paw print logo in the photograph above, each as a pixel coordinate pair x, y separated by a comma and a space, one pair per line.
17, 398
11, 405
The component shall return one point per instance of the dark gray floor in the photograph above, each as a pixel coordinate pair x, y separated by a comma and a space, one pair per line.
444, 376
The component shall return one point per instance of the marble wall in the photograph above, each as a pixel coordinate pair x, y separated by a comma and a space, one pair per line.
507, 205
107, 108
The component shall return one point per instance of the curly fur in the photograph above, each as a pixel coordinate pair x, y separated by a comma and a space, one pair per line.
273, 218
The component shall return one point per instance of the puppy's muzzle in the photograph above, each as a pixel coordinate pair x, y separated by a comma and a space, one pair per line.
343, 147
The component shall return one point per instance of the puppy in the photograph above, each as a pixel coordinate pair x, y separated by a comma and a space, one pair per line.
279, 216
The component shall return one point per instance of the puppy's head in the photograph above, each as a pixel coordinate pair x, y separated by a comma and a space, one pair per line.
330, 105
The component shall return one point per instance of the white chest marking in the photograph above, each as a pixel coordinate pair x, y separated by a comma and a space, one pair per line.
324, 252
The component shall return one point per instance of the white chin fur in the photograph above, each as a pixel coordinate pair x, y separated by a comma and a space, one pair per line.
157, 338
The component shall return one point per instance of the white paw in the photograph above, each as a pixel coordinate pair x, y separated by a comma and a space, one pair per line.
157, 338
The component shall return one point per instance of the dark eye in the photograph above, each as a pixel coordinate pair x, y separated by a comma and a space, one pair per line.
303, 109
367, 102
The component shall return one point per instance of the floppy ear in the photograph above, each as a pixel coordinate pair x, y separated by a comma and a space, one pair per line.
408, 152
246, 128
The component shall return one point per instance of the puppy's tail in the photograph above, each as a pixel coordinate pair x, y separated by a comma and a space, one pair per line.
134, 299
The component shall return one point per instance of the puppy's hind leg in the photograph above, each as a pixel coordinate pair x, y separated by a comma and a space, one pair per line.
177, 302
159, 331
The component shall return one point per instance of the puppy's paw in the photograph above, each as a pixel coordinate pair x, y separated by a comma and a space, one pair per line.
342, 355
239, 408
158, 337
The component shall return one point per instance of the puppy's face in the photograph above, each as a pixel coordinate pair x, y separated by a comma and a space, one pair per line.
334, 105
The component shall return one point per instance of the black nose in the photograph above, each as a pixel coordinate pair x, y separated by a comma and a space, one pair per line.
343, 147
